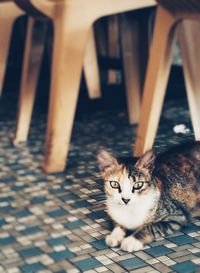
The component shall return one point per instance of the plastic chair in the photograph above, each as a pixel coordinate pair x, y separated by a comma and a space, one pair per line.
169, 18
72, 21
34, 49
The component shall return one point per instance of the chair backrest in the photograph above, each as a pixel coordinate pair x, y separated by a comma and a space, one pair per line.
174, 6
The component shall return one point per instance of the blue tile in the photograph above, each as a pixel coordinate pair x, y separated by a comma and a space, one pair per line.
74, 225
185, 267
17, 188
7, 179
7, 240
98, 197
100, 244
16, 167
6, 199
32, 173
82, 175
182, 240
29, 252
6, 209
38, 200
99, 181
87, 264
69, 182
56, 191
58, 213
132, 263
197, 254
31, 230
31, 268
97, 215
58, 241
41, 180
191, 228
22, 213
69, 196
158, 251
61, 255
81, 204
2, 222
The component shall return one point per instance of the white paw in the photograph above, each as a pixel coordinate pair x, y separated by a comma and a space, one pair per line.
131, 244
116, 237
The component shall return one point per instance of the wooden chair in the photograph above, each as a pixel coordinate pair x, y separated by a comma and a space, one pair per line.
9, 12
169, 18
72, 21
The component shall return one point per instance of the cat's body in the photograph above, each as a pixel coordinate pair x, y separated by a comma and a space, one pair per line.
152, 196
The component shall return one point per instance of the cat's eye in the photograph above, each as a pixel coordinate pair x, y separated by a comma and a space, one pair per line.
114, 185
138, 185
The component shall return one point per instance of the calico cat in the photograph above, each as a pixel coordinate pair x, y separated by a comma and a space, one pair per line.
154, 195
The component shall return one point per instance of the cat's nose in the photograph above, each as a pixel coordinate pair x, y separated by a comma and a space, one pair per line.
125, 200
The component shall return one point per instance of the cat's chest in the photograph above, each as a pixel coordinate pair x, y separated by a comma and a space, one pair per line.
131, 217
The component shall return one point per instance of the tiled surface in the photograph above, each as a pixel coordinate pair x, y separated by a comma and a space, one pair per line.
57, 223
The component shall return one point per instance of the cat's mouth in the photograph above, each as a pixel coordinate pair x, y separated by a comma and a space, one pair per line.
123, 204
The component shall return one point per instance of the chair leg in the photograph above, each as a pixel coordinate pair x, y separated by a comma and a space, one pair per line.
34, 48
131, 66
91, 68
70, 39
188, 36
156, 80
113, 45
8, 16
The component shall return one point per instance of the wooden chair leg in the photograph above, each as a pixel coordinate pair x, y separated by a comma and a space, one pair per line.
156, 80
113, 45
8, 16
70, 39
131, 66
91, 68
188, 35
34, 48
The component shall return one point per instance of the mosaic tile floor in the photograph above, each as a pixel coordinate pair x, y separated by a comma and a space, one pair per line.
57, 223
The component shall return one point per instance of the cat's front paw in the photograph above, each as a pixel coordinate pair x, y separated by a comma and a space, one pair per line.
115, 238
131, 244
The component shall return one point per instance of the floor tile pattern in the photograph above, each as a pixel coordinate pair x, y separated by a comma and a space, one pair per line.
57, 223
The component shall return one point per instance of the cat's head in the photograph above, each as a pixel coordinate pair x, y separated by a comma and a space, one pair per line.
126, 181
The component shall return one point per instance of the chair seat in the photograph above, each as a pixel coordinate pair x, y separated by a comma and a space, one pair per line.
181, 5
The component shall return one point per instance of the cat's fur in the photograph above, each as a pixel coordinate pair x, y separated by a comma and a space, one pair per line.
168, 199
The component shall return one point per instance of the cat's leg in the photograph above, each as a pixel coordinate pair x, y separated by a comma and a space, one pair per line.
115, 238
152, 232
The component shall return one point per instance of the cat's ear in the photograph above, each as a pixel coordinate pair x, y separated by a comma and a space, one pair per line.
106, 160
146, 161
